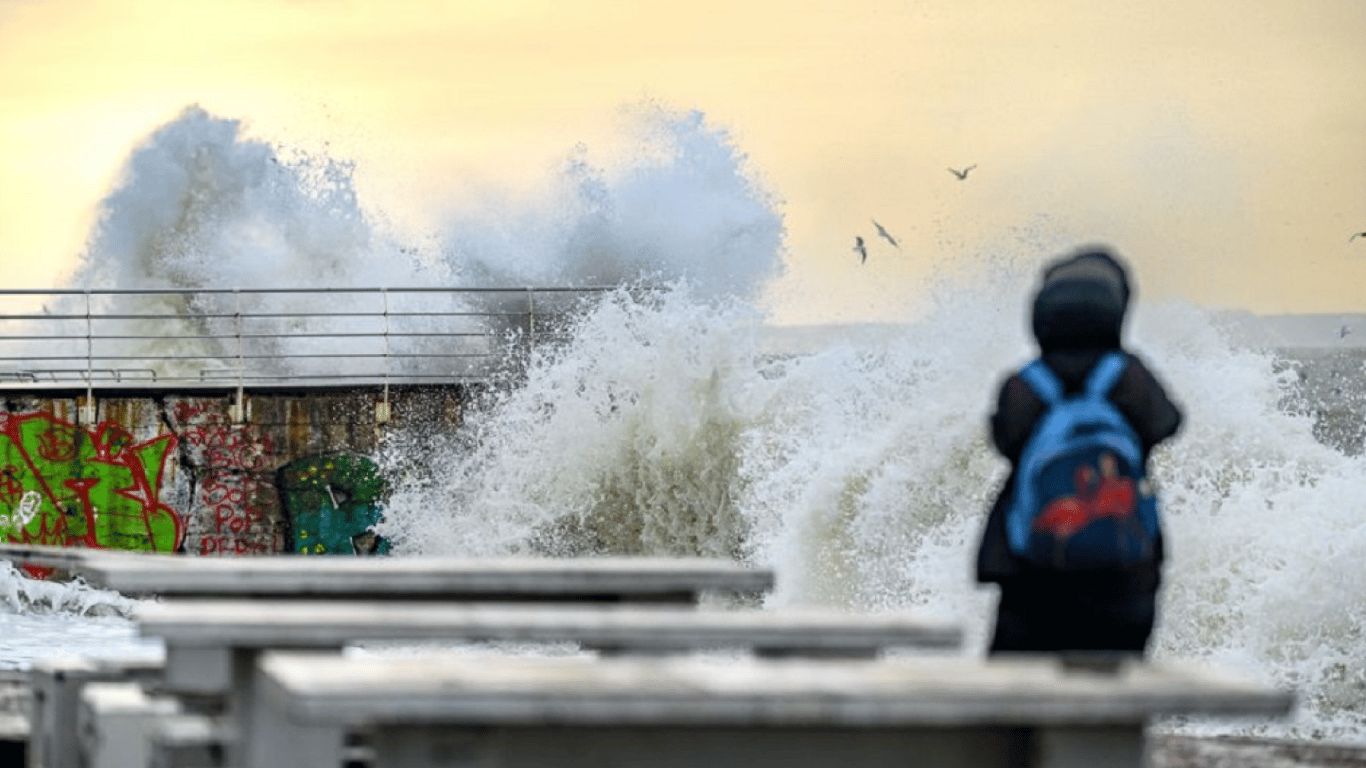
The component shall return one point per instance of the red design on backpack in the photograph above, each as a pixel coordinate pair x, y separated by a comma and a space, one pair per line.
1106, 495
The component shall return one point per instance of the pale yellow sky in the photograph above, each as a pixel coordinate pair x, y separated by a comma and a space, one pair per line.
1221, 145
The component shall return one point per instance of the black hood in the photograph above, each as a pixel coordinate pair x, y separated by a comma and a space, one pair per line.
1081, 302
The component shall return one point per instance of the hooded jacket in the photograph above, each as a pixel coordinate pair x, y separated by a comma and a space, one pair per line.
1077, 316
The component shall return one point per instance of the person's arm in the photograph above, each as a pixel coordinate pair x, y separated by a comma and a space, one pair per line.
1017, 410
1144, 401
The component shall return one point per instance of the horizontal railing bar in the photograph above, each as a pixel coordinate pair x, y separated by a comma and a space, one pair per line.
116, 373
290, 356
471, 333
234, 372
198, 316
310, 356
229, 337
229, 383
249, 291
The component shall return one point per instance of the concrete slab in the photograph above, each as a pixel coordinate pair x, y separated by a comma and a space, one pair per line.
509, 579
518, 712
624, 626
750, 692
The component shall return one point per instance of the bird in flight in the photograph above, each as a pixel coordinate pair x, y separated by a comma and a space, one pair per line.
1343, 331
885, 234
861, 250
963, 174
1353, 237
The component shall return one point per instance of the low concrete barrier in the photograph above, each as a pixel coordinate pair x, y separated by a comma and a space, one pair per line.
56, 685
514, 712
205, 640
115, 723
678, 580
212, 646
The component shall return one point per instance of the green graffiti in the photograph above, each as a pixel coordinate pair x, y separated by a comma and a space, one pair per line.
332, 501
64, 485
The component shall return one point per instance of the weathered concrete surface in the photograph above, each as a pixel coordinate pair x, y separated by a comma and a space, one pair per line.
288, 624
692, 711
748, 692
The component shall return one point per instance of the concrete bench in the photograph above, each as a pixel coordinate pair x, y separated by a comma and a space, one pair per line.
211, 645
431, 710
56, 685
676, 580
115, 722
599, 581
502, 579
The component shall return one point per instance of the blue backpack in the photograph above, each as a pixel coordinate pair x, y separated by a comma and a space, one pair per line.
1082, 499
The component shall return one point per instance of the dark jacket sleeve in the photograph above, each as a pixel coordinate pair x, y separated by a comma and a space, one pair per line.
1145, 403
1138, 395
1017, 411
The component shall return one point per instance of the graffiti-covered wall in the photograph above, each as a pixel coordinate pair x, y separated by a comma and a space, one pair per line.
178, 473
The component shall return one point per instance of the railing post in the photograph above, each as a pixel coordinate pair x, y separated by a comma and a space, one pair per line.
238, 410
382, 408
86, 413
531, 316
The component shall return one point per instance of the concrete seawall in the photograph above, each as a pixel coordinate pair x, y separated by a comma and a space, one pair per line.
178, 471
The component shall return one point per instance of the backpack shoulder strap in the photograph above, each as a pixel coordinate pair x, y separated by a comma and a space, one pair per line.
1105, 374
1043, 381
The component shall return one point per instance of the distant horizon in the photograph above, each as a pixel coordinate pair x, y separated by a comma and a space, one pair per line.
1285, 330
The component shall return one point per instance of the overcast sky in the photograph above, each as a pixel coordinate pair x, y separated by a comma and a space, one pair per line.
1220, 145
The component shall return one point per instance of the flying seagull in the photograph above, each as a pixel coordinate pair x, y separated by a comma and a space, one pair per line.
1343, 331
861, 250
963, 174
885, 234
1353, 237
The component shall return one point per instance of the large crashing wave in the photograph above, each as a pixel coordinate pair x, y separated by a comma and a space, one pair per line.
202, 204
679, 201
860, 471
203, 207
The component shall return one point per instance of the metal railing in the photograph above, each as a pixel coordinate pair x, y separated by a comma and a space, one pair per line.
172, 338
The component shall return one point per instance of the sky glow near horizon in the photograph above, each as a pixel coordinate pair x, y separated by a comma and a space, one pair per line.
1221, 147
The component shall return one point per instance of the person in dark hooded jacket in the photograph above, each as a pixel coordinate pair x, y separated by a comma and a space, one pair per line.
1078, 315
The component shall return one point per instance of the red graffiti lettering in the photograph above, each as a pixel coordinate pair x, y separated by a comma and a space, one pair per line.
227, 545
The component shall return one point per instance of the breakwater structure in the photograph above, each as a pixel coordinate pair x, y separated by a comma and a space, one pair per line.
237, 422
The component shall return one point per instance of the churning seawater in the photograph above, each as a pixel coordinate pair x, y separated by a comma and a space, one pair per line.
853, 461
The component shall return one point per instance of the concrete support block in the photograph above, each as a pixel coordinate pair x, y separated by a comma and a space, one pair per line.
116, 722
57, 684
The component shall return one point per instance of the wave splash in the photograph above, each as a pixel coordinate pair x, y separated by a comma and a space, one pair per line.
860, 471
